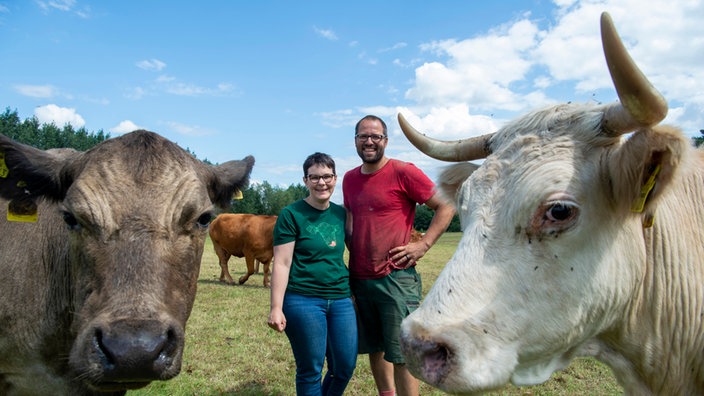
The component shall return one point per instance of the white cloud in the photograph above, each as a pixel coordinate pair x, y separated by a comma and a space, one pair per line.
36, 91
164, 78
325, 33
189, 130
170, 85
665, 38
61, 5
135, 93
339, 118
151, 65
83, 13
529, 63
450, 123
393, 47
124, 127
64, 6
187, 89
478, 70
363, 56
59, 116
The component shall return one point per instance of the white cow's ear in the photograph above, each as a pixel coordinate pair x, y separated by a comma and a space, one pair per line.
643, 167
452, 178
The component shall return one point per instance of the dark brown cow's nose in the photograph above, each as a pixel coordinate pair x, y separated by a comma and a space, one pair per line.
135, 350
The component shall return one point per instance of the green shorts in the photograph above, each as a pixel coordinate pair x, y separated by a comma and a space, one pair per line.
381, 306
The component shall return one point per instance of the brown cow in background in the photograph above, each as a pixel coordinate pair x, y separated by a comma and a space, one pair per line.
416, 235
243, 235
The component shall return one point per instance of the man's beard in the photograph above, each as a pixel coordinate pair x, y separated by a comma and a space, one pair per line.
378, 155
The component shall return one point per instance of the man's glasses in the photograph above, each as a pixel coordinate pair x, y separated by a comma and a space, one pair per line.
363, 138
316, 178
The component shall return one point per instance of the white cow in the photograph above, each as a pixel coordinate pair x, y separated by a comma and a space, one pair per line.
576, 242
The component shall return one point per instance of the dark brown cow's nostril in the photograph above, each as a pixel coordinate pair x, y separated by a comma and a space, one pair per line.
135, 351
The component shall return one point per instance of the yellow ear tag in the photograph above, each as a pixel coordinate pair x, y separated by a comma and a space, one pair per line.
25, 212
4, 170
237, 195
639, 203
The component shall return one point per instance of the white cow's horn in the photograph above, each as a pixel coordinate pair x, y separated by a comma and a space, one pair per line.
451, 151
641, 105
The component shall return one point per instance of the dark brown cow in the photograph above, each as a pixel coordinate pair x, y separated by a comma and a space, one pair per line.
96, 292
243, 235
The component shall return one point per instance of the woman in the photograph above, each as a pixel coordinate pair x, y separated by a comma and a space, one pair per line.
310, 293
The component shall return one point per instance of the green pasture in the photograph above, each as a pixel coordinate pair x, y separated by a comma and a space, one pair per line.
231, 351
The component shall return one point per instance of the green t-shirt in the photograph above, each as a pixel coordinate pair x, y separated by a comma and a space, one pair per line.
318, 267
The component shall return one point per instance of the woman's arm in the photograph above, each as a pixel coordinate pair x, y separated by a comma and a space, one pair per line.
283, 256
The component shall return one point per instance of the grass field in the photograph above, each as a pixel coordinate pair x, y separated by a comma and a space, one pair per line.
231, 351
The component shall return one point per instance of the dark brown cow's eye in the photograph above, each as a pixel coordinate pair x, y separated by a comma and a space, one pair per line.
205, 219
71, 221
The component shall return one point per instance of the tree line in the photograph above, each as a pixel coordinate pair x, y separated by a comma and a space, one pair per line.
47, 136
261, 198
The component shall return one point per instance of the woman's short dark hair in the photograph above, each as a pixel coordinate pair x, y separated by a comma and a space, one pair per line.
321, 159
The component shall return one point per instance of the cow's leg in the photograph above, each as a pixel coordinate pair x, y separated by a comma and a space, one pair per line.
250, 268
267, 266
223, 257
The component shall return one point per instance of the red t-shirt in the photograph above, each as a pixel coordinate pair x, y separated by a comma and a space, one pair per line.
383, 206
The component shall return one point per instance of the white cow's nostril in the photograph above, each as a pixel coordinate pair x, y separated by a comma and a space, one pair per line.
426, 359
436, 364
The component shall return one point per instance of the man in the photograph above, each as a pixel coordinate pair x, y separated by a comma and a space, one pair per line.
380, 197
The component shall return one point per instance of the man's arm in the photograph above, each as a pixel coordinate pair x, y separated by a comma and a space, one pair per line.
444, 211
412, 252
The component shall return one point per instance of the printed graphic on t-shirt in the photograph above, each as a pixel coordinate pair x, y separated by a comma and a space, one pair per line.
326, 231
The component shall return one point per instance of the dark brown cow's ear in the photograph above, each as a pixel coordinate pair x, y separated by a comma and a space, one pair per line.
227, 179
643, 167
27, 173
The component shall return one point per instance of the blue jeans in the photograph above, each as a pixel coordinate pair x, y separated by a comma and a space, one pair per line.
317, 328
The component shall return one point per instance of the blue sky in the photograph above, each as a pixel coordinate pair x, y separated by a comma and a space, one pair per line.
283, 79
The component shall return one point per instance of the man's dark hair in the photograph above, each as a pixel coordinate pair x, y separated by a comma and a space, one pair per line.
371, 118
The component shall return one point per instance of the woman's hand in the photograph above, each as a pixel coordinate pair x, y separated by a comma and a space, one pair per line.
277, 320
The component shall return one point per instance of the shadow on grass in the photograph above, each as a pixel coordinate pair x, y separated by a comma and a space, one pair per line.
248, 284
252, 388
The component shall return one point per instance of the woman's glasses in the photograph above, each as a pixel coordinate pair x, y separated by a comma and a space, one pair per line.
316, 178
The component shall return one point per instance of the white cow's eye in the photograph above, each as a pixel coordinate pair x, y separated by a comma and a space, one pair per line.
554, 217
560, 212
